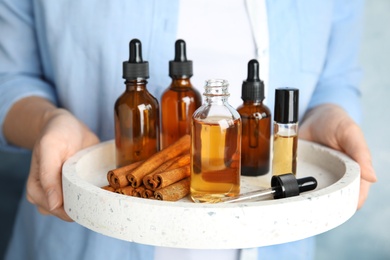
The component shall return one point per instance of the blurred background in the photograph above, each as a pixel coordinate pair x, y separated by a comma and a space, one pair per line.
367, 234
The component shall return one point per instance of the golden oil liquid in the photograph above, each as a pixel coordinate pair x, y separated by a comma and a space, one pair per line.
284, 154
215, 159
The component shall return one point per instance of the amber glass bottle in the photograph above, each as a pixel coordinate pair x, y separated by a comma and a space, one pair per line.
180, 100
136, 112
216, 146
256, 125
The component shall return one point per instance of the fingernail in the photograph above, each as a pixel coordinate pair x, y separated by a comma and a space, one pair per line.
52, 199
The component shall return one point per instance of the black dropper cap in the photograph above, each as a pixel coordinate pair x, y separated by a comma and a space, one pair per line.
135, 67
253, 87
180, 66
286, 105
286, 185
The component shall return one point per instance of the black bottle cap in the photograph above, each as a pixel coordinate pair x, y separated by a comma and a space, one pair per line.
286, 105
286, 185
253, 87
180, 66
135, 67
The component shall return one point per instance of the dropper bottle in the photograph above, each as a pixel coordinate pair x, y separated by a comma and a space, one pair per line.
256, 125
180, 100
136, 112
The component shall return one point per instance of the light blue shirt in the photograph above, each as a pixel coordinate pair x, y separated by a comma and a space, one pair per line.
71, 52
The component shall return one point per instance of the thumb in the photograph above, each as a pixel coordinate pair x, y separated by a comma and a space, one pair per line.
351, 141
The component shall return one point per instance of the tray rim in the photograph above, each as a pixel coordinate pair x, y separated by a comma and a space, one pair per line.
350, 177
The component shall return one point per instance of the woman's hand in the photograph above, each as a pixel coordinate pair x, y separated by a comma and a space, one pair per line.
331, 126
62, 136
53, 135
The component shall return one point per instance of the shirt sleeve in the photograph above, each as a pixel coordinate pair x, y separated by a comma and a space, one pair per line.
340, 79
20, 65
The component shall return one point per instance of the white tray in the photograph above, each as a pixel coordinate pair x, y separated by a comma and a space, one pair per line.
184, 224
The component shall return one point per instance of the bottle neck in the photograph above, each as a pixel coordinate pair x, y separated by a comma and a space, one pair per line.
215, 100
136, 85
216, 92
253, 102
286, 129
178, 82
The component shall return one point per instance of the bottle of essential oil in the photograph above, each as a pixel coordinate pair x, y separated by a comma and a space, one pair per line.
180, 100
216, 146
285, 131
256, 125
136, 112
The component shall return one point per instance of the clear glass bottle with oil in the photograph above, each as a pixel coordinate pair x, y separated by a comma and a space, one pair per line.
285, 142
216, 146
180, 100
256, 125
136, 112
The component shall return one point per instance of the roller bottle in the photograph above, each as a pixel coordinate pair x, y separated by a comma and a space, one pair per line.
256, 125
216, 146
285, 142
136, 112
180, 100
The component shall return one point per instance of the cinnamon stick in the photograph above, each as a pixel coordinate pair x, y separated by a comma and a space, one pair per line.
174, 191
128, 190
138, 191
153, 179
179, 147
165, 166
166, 178
147, 194
108, 188
117, 177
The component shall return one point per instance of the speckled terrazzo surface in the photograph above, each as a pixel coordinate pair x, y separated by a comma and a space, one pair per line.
191, 225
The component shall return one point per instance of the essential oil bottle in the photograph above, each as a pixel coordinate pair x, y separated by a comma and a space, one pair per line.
256, 125
136, 112
216, 146
285, 142
180, 100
